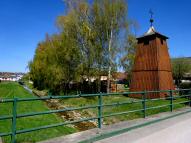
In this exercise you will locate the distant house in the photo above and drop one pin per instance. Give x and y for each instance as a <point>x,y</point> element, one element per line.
<point>118,82</point>
<point>116,76</point>
<point>120,77</point>
<point>186,78</point>
<point>7,76</point>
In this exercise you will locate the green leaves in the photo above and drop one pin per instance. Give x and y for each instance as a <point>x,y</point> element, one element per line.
<point>87,45</point>
<point>180,67</point>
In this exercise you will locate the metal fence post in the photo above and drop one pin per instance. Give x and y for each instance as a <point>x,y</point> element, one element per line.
<point>171,100</point>
<point>49,93</point>
<point>99,110</point>
<point>144,103</point>
<point>14,112</point>
<point>189,97</point>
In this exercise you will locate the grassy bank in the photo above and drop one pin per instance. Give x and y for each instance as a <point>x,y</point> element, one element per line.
<point>79,102</point>
<point>10,90</point>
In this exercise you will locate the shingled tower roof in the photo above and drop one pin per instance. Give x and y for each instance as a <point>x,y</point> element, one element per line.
<point>152,32</point>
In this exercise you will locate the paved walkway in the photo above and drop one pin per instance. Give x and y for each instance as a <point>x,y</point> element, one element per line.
<point>174,130</point>
<point>170,130</point>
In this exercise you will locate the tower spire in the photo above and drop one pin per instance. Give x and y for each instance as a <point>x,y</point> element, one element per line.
<point>151,19</point>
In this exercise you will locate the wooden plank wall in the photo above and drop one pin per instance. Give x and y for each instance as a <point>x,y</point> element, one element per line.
<point>152,69</point>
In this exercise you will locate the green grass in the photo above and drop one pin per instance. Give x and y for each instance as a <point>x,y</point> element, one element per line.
<point>79,102</point>
<point>121,108</point>
<point>11,90</point>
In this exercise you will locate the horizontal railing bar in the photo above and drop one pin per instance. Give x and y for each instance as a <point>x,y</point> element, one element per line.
<point>54,125</point>
<point>132,92</point>
<point>34,99</point>
<point>5,134</point>
<point>135,92</point>
<point>156,99</point>
<point>167,98</point>
<point>152,91</point>
<point>87,95</point>
<point>6,117</point>
<point>40,98</point>
<point>182,90</point>
<point>120,113</point>
<point>180,96</point>
<point>121,103</point>
<point>56,111</point>
<point>48,98</point>
<point>6,100</point>
<point>158,106</point>
<point>181,102</point>
<point>69,109</point>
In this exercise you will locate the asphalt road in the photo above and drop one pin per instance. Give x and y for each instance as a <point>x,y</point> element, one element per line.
<point>174,130</point>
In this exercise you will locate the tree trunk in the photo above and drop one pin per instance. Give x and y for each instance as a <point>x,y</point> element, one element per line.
<point>109,69</point>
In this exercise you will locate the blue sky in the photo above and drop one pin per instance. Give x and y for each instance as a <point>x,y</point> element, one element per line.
<point>23,23</point>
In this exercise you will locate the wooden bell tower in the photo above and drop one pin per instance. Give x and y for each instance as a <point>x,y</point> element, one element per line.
<point>152,68</point>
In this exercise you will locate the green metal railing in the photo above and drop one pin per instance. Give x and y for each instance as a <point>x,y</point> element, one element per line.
<point>99,107</point>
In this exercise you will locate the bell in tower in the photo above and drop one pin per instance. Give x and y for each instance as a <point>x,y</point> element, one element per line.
<point>152,68</point>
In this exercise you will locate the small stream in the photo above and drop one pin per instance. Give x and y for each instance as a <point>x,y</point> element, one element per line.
<point>68,115</point>
<point>28,89</point>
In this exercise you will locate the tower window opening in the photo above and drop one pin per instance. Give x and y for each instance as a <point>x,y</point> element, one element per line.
<point>146,42</point>
<point>161,41</point>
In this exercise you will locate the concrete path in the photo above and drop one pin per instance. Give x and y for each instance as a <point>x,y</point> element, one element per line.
<point>174,130</point>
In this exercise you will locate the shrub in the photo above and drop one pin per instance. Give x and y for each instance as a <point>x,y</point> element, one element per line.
<point>185,86</point>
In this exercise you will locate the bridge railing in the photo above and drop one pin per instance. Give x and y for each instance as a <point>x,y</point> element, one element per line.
<point>99,107</point>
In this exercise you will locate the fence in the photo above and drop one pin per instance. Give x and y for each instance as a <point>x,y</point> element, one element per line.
<point>99,107</point>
